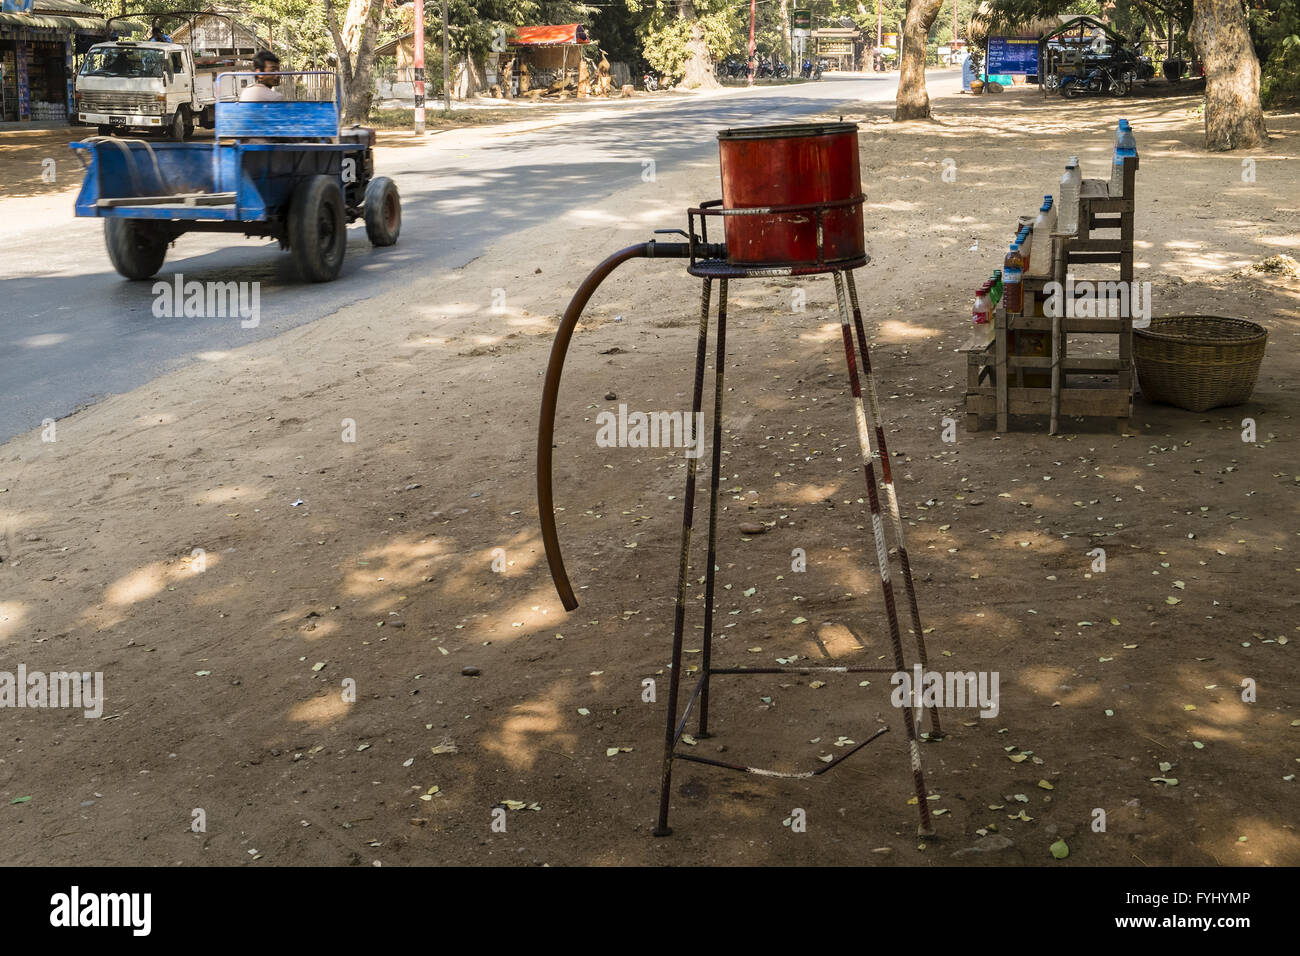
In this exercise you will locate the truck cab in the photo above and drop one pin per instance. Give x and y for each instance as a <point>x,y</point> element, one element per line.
<point>127,85</point>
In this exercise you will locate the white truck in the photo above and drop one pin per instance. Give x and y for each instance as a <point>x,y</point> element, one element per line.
<point>164,87</point>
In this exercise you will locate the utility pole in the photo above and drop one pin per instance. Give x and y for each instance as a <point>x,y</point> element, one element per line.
<point>419,67</point>
<point>446,64</point>
<point>952,47</point>
<point>752,64</point>
<point>879,36</point>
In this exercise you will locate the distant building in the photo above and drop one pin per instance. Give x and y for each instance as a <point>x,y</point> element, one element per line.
<point>40,41</point>
<point>218,36</point>
<point>838,46</point>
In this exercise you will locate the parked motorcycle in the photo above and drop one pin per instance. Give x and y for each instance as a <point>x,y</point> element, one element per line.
<point>812,70</point>
<point>769,70</point>
<point>650,82</point>
<point>734,67</point>
<point>1113,75</point>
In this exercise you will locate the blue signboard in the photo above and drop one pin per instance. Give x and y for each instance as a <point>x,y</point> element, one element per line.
<point>1013,55</point>
<point>17,6</point>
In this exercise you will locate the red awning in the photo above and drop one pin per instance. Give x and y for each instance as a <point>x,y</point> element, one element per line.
<point>549,36</point>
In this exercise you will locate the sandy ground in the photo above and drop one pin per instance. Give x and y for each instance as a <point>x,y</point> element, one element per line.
<point>325,561</point>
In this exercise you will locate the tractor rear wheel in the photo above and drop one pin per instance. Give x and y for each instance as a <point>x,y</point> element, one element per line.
<point>318,234</point>
<point>136,249</point>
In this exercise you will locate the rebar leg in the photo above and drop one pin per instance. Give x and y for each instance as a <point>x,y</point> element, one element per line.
<point>882,549</point>
<point>881,454</point>
<point>679,617</point>
<point>719,364</point>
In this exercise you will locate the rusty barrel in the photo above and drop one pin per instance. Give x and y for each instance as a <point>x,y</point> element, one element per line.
<point>793,165</point>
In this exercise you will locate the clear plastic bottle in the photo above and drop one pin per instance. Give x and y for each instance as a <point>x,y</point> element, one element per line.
<point>1125,146</point>
<point>1013,267</point>
<point>1040,221</point>
<point>1026,240</point>
<point>1068,215</point>
<point>1049,208</point>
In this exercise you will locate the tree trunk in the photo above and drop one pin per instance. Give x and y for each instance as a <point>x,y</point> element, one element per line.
<point>913,101</point>
<point>1233,116</point>
<point>356,59</point>
<point>698,70</point>
<point>786,42</point>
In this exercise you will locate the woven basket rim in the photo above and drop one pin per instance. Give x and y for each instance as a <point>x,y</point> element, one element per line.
<point>1207,336</point>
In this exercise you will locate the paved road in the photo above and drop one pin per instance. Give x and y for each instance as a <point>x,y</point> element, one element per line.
<point>73,331</point>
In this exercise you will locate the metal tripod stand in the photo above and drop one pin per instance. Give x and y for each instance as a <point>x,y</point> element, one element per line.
<point>875,457</point>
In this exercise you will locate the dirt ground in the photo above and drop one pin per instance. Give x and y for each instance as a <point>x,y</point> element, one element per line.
<point>325,561</point>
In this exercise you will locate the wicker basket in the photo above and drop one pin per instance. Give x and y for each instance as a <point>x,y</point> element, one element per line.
<point>1198,362</point>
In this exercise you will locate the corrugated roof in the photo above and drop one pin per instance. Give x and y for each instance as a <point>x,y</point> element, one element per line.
<point>59,15</point>
<point>550,35</point>
<point>65,7</point>
<point>36,21</point>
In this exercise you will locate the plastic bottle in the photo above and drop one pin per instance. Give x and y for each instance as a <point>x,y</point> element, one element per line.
<point>1050,207</point>
<point>1012,270</point>
<point>1068,215</point>
<point>1040,221</point>
<point>995,287</point>
<point>1125,145</point>
<point>1120,128</point>
<point>1024,239</point>
<point>983,307</point>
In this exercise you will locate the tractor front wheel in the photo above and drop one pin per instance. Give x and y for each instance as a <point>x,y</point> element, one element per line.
<point>383,212</point>
<point>318,233</point>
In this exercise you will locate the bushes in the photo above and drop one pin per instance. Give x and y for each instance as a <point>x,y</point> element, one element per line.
<point>1280,84</point>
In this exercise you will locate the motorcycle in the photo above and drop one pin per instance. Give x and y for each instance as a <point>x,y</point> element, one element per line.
<point>650,82</point>
<point>766,69</point>
<point>811,70</point>
<point>1113,75</point>
<point>735,67</point>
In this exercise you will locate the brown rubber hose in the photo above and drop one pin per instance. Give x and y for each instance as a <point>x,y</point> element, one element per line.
<point>551,391</point>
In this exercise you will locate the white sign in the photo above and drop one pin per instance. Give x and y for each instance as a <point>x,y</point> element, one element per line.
<point>796,32</point>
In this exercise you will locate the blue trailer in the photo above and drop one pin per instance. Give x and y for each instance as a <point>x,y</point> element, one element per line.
<point>276,168</point>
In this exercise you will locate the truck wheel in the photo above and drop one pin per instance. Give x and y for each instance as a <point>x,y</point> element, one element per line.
<point>383,212</point>
<point>136,249</point>
<point>318,234</point>
<point>181,125</point>
<point>102,130</point>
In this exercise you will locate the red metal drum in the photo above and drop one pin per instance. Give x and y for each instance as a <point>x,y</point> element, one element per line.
<point>793,165</point>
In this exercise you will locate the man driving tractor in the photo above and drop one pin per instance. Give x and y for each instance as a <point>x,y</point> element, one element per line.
<point>267,65</point>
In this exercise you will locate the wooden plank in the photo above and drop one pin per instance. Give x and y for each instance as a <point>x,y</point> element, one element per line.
<point>1078,363</point>
<point>1094,189</point>
<point>185,199</point>
<point>1100,402</point>
<point>1000,368</point>
<point>1098,245</point>
<point>1056,375</point>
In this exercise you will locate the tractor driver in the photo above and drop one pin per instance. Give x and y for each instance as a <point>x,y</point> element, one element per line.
<point>267,65</point>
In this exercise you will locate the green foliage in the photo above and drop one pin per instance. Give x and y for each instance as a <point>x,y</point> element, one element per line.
<point>665,35</point>
<point>1280,85</point>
